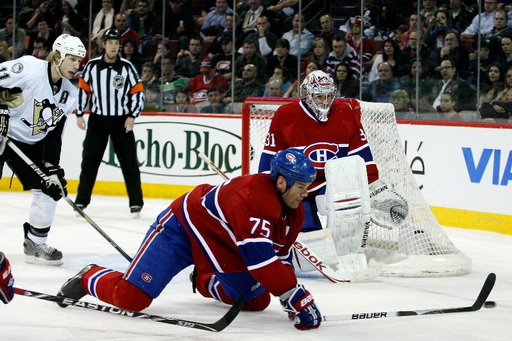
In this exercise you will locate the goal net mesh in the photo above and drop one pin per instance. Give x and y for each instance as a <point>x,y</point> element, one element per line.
<point>418,247</point>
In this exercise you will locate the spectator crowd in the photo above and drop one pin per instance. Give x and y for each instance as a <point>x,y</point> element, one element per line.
<point>446,60</point>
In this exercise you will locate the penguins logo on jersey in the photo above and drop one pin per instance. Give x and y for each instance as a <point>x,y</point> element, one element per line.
<point>319,153</point>
<point>118,82</point>
<point>45,116</point>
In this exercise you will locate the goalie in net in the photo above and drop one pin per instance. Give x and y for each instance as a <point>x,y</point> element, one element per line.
<point>372,214</point>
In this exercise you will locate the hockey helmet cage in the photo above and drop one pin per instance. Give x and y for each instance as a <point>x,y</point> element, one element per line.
<point>293,165</point>
<point>318,92</point>
<point>67,44</point>
<point>111,34</point>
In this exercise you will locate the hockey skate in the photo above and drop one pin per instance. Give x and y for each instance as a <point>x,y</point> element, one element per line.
<point>41,253</point>
<point>73,287</point>
<point>135,211</point>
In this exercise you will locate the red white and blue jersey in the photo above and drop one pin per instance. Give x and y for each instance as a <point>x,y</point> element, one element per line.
<point>295,125</point>
<point>242,225</point>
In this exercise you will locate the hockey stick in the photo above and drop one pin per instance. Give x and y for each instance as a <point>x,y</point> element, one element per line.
<point>480,301</point>
<point>301,248</point>
<point>217,326</point>
<point>47,180</point>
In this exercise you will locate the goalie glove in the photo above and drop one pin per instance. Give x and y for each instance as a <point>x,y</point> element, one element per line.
<point>6,280</point>
<point>55,187</point>
<point>388,207</point>
<point>4,128</point>
<point>300,304</point>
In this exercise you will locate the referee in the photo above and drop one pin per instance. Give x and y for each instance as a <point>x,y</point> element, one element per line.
<point>111,88</point>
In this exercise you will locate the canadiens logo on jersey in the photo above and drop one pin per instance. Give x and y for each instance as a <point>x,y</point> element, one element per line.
<point>45,115</point>
<point>319,153</point>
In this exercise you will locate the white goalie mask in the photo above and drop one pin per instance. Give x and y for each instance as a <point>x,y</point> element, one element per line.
<point>318,92</point>
<point>67,44</point>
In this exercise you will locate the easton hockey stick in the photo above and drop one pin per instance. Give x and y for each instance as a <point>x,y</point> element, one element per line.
<point>217,326</point>
<point>301,248</point>
<point>480,301</point>
<point>47,180</point>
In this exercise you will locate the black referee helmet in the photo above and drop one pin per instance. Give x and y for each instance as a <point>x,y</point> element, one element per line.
<point>110,34</point>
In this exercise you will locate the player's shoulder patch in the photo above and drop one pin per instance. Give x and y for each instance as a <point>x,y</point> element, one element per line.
<point>17,67</point>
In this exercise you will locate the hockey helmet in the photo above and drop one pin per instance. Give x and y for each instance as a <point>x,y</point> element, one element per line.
<point>318,92</point>
<point>111,34</point>
<point>67,44</point>
<point>293,165</point>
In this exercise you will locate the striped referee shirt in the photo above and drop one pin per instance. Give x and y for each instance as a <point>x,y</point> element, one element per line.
<point>110,89</point>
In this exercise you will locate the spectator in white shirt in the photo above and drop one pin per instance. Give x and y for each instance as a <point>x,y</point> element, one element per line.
<point>306,37</point>
<point>482,23</point>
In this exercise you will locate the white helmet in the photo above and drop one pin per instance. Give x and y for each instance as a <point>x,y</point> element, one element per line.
<point>318,83</point>
<point>67,44</point>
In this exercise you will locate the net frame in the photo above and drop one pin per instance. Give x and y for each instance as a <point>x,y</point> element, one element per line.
<point>418,247</point>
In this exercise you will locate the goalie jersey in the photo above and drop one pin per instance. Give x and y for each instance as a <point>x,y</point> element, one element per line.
<point>294,125</point>
<point>242,225</point>
<point>35,108</point>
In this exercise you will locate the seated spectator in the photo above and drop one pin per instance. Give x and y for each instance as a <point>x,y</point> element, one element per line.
<point>189,61</point>
<point>282,57</point>
<point>283,74</point>
<point>297,34</point>
<point>29,18</point>
<point>222,62</point>
<point>459,15</point>
<point>215,20</point>
<point>428,9</point>
<point>499,30</point>
<point>266,39</point>
<point>199,85</point>
<point>179,23</point>
<point>248,17</point>
<point>492,83</point>
<point>152,99</point>
<point>143,20</point>
<point>293,91</point>
<point>162,49</point>
<point>40,50</point>
<point>342,52</point>
<point>10,32</point>
<point>170,80</point>
<point>483,22</point>
<point>501,106</point>
<point>148,76</point>
<point>251,56</point>
<point>126,33</point>
<point>439,25</point>
<point>415,22</point>
<point>104,19</point>
<point>5,55</point>
<point>274,88</point>
<point>410,53</point>
<point>506,45</point>
<point>408,82</point>
<point>130,52</point>
<point>453,50</point>
<point>248,86</point>
<point>68,21</point>
<point>215,103</point>
<point>380,90</point>
<point>215,47</point>
<point>283,11</point>
<point>391,54</point>
<point>328,31</point>
<point>479,65</point>
<point>346,84</point>
<point>388,20</point>
<point>450,82</point>
<point>319,53</point>
<point>403,105</point>
<point>446,109</point>
<point>181,102</point>
<point>357,41</point>
<point>43,31</point>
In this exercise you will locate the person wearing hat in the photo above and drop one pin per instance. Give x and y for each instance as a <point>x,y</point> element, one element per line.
<point>199,85</point>
<point>222,62</point>
<point>111,89</point>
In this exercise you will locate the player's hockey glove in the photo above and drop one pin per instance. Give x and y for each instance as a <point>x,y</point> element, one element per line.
<point>6,280</point>
<point>299,303</point>
<point>56,186</point>
<point>388,207</point>
<point>4,128</point>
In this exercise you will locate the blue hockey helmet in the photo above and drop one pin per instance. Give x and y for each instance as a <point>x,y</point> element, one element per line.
<point>293,165</point>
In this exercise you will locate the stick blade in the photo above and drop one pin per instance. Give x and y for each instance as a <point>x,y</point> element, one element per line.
<point>232,313</point>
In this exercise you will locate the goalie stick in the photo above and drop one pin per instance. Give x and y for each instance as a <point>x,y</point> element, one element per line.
<point>480,301</point>
<point>46,179</point>
<point>301,248</point>
<point>217,326</point>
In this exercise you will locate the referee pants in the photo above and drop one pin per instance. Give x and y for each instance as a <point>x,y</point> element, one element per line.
<point>99,129</point>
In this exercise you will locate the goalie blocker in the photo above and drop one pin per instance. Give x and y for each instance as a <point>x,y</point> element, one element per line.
<point>350,205</point>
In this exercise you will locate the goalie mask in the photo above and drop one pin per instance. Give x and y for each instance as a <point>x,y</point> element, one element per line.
<point>67,44</point>
<point>318,92</point>
<point>293,165</point>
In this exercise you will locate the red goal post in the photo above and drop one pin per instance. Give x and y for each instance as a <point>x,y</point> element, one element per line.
<point>418,247</point>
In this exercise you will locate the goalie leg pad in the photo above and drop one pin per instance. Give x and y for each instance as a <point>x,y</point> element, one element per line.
<point>347,201</point>
<point>322,245</point>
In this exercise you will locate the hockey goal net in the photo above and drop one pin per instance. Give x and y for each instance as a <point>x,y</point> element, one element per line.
<point>418,247</point>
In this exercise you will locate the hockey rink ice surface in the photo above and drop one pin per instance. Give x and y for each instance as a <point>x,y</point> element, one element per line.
<point>31,319</point>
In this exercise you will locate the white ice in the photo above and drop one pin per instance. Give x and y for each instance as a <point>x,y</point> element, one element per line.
<point>31,319</point>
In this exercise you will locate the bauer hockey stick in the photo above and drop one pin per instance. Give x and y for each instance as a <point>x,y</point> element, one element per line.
<point>480,301</point>
<point>300,247</point>
<point>217,326</point>
<point>47,180</point>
